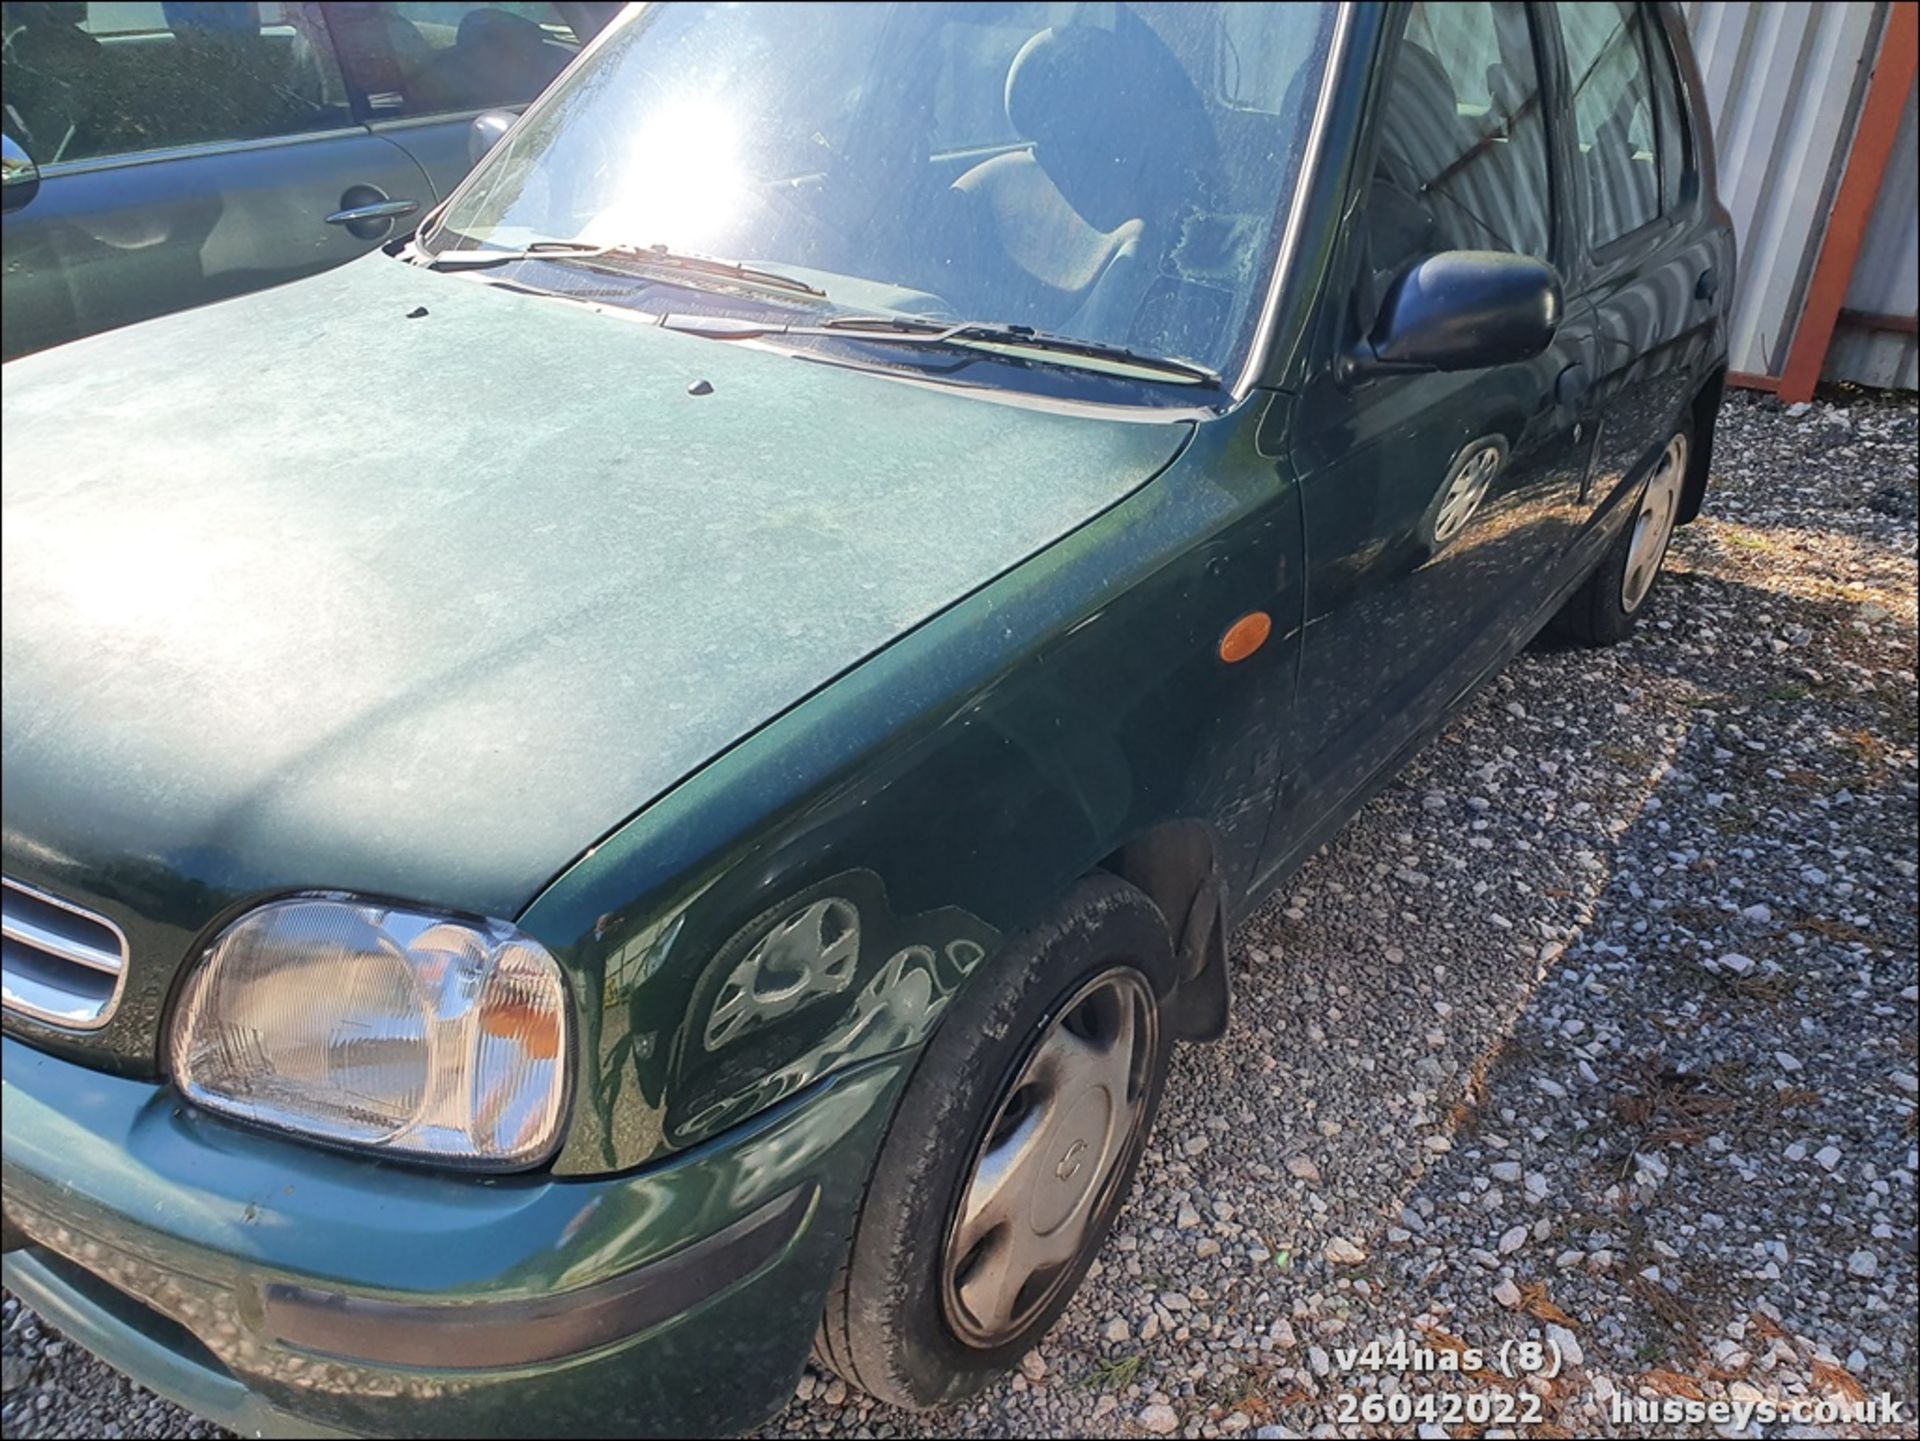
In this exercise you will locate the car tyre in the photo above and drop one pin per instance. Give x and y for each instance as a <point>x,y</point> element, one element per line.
<point>1609,602</point>
<point>1015,1143</point>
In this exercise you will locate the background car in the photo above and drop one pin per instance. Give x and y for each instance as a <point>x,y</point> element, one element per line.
<point>165,154</point>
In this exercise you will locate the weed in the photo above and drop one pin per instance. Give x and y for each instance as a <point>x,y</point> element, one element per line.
<point>1114,1375</point>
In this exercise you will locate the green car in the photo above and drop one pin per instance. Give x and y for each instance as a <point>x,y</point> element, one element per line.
<point>641,783</point>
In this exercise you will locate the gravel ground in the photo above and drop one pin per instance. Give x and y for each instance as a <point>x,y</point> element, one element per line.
<point>1598,1026</point>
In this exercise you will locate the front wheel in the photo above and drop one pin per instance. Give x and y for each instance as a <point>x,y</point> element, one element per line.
<point>1012,1150</point>
<point>1603,610</point>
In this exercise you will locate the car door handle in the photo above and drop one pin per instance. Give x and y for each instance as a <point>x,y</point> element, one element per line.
<point>1706,286</point>
<point>379,210</point>
<point>1570,386</point>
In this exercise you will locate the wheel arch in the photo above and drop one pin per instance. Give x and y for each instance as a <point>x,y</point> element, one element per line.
<point>1176,863</point>
<point>1705,413</point>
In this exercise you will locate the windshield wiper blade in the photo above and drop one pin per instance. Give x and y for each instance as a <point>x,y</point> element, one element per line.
<point>730,269</point>
<point>649,258</point>
<point>1021,342</point>
<point>539,250</point>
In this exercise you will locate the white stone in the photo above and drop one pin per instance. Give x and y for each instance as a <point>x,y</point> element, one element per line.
<point>1158,1419</point>
<point>1569,1344</point>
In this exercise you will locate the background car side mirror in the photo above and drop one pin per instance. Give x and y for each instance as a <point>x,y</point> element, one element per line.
<point>19,176</point>
<point>485,133</point>
<point>1462,310</point>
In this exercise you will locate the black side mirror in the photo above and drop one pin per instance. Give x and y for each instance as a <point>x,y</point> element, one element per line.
<point>485,133</point>
<point>19,176</point>
<point>1462,310</point>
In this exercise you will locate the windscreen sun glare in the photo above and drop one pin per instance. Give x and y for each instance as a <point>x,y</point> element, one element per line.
<point>684,180</point>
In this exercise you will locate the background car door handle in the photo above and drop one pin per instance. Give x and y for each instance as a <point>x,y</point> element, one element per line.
<point>1705,287</point>
<point>379,210</point>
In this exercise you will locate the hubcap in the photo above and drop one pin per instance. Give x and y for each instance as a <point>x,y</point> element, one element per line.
<point>1464,494</point>
<point>1045,1173</point>
<point>1653,527</point>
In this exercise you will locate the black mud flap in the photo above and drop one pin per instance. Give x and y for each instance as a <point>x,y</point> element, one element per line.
<point>1198,1008</point>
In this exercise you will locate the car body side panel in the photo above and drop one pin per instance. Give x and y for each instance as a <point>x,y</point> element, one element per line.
<point>107,243</point>
<point>1402,615</point>
<point>890,831</point>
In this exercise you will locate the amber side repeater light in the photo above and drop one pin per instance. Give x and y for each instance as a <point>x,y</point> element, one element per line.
<point>1245,636</point>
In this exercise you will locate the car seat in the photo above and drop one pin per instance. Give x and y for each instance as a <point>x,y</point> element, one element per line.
<point>1067,230</point>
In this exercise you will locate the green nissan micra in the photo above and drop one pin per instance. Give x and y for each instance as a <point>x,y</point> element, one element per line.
<point>642,782</point>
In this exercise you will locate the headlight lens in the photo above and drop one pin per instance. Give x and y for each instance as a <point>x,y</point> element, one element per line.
<point>365,1025</point>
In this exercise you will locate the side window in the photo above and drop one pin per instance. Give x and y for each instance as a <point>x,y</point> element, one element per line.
<point>85,81</point>
<point>1613,116</point>
<point>1673,141</point>
<point>442,58</point>
<point>1462,159</point>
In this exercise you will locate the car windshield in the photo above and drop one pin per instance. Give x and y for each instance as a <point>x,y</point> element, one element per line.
<point>1113,173</point>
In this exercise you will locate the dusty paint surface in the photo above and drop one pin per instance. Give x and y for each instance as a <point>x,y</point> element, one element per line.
<point>302,591</point>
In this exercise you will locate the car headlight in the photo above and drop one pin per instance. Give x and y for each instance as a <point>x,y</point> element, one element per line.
<point>367,1025</point>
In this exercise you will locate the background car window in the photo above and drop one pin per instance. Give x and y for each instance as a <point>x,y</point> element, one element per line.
<point>1462,162</point>
<point>80,81</point>
<point>440,58</point>
<point>1612,116</point>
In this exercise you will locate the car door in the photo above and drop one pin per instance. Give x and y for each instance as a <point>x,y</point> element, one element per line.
<point>186,152</point>
<point>1437,507</point>
<point>421,70</point>
<point>1650,259</point>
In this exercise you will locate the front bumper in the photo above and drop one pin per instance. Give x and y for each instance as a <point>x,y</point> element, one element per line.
<point>281,1289</point>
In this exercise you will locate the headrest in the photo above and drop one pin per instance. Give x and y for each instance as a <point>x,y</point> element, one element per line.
<point>1112,117</point>
<point>210,17</point>
<point>498,30</point>
<point>50,12</point>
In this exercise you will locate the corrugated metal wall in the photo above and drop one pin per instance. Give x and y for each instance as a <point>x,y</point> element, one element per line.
<point>1887,279</point>
<point>1784,84</point>
<point>1783,88</point>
